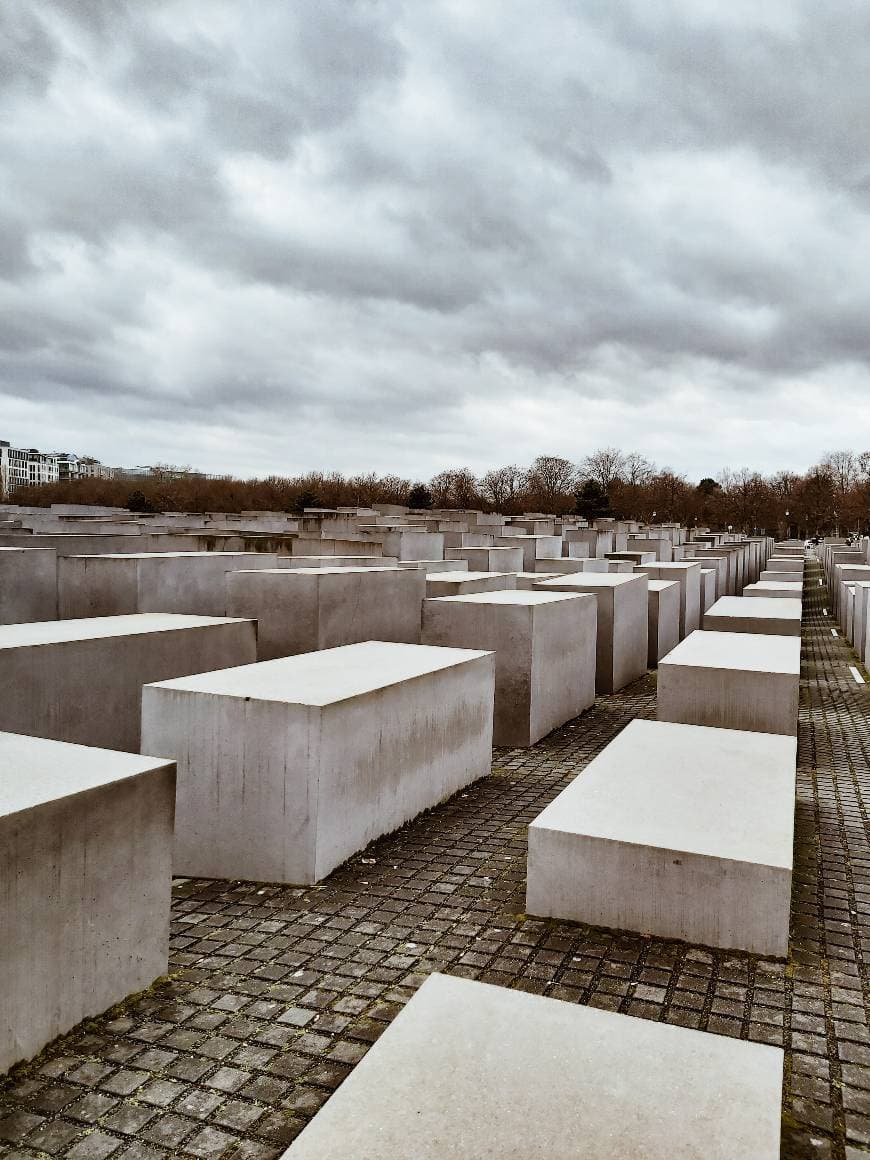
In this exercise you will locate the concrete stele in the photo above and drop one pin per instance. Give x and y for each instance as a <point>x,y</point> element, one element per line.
<point>675,830</point>
<point>302,610</point>
<point>84,909</point>
<point>187,583</point>
<point>544,645</point>
<point>732,680</point>
<point>663,619</point>
<point>468,1070</point>
<point>773,590</point>
<point>28,585</point>
<point>81,680</point>
<point>462,583</point>
<point>288,767</point>
<point>737,614</point>
<point>622,635</point>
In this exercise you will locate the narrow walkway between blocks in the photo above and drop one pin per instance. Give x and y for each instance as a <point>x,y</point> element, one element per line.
<point>278,992</point>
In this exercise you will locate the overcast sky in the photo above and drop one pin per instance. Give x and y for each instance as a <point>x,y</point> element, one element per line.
<point>403,235</point>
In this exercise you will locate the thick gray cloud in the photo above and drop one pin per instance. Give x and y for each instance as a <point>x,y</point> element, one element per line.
<point>373,234</point>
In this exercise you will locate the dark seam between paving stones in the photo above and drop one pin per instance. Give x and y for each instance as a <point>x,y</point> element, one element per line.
<point>277,992</point>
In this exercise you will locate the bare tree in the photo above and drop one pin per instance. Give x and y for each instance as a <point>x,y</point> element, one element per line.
<point>551,483</point>
<point>502,486</point>
<point>636,470</point>
<point>843,467</point>
<point>456,488</point>
<point>605,466</point>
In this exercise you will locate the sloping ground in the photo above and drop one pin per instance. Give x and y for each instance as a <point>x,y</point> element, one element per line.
<point>278,992</point>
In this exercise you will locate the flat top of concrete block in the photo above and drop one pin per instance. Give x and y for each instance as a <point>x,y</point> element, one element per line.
<point>508,596</point>
<point>338,570</point>
<point>669,565</point>
<point>160,555</point>
<point>26,549</point>
<point>536,576</point>
<point>585,580</point>
<point>452,577</point>
<point>661,585</point>
<point>328,676</point>
<point>758,609</point>
<point>97,627</point>
<point>339,556</point>
<point>722,793</point>
<point>42,771</point>
<point>471,1070</point>
<point>776,586</point>
<point>749,651</point>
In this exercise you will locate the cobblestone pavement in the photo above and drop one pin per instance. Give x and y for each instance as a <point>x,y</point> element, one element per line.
<point>278,992</point>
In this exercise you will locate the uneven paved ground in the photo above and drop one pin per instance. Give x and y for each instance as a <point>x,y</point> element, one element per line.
<point>278,992</point>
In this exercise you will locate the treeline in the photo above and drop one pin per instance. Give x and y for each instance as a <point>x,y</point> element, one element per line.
<point>833,496</point>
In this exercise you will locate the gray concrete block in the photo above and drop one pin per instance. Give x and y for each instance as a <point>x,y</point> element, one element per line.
<point>739,614</point>
<point>467,1070</point>
<point>81,680</point>
<point>28,585</point>
<point>675,830</point>
<point>288,767</point>
<point>623,609</point>
<point>732,680</point>
<point>544,645</point>
<point>301,610</point>
<point>86,868</point>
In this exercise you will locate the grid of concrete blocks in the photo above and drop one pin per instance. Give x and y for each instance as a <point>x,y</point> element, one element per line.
<point>257,698</point>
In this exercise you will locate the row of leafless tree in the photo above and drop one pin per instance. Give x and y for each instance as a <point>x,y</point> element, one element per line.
<point>833,495</point>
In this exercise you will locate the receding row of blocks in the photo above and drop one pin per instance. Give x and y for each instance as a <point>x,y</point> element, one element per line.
<point>284,770</point>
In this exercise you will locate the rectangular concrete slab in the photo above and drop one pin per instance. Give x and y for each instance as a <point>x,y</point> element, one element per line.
<point>468,1071</point>
<point>86,868</point>
<point>663,619</point>
<point>732,680</point>
<point>337,561</point>
<point>675,830</point>
<point>189,583</point>
<point>288,767</point>
<point>81,680</point>
<point>622,634</point>
<point>28,585</point>
<point>772,590</point>
<point>487,558</point>
<point>529,581</point>
<point>688,576</point>
<point>302,610</point>
<point>544,645</point>
<point>737,614</point>
<point>460,583</point>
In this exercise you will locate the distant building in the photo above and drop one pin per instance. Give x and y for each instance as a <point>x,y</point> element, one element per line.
<point>20,466</point>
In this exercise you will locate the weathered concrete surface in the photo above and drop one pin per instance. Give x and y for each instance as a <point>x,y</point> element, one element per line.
<point>189,583</point>
<point>461,583</point>
<point>81,680</point>
<point>623,628</point>
<point>86,869</point>
<point>737,614</point>
<point>469,1070</point>
<point>663,619</point>
<point>688,576</point>
<point>675,830</point>
<point>28,585</point>
<point>288,767</point>
<point>301,610</point>
<point>732,680</point>
<point>544,645</point>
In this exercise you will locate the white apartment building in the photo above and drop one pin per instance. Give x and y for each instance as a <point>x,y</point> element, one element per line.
<point>20,466</point>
